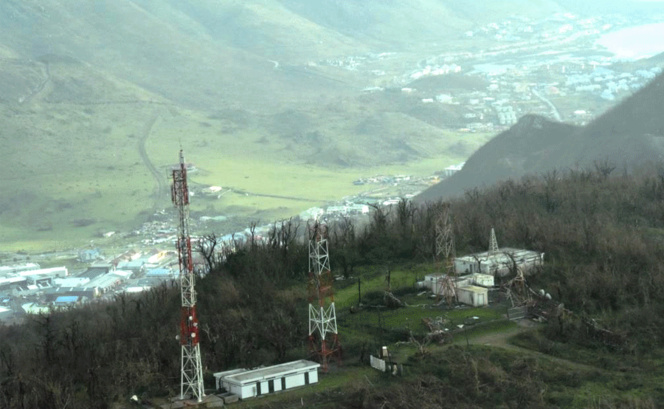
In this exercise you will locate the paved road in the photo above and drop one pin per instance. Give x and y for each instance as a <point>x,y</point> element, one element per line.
<point>554,110</point>
<point>299,199</point>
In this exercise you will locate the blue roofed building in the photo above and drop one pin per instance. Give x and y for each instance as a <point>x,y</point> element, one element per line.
<point>160,273</point>
<point>66,300</point>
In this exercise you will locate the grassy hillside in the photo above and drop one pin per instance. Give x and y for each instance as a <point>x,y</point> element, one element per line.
<point>98,97</point>
<point>96,94</point>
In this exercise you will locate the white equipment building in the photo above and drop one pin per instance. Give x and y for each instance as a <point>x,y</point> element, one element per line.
<point>473,295</point>
<point>499,263</point>
<point>262,381</point>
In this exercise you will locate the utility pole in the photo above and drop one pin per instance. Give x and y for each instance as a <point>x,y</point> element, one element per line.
<point>191,374</point>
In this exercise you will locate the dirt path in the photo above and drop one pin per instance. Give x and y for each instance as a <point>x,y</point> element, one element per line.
<point>39,88</point>
<point>500,340</point>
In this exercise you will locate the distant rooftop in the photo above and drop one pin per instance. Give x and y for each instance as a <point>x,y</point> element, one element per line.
<point>66,299</point>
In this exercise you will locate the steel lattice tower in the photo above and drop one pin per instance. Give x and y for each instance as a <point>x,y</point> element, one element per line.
<point>323,333</point>
<point>493,243</point>
<point>191,374</point>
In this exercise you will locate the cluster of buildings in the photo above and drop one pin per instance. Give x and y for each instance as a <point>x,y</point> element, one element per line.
<point>530,67</point>
<point>382,180</point>
<point>29,278</point>
<point>475,273</point>
<point>28,289</point>
<point>535,85</point>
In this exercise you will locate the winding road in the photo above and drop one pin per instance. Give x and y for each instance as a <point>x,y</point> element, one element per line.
<point>554,110</point>
<point>160,187</point>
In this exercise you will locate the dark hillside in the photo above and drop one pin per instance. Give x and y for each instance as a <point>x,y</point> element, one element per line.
<point>628,135</point>
<point>603,238</point>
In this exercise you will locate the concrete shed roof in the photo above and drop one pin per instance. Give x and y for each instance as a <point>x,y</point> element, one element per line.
<point>473,289</point>
<point>270,372</point>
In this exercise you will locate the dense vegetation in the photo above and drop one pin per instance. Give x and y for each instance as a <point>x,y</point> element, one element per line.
<point>602,233</point>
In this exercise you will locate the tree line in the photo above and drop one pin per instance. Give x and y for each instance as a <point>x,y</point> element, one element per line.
<point>601,231</point>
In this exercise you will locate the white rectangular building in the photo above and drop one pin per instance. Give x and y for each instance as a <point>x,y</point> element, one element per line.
<point>472,295</point>
<point>500,262</point>
<point>430,280</point>
<point>55,272</point>
<point>483,280</point>
<point>262,381</point>
<point>13,270</point>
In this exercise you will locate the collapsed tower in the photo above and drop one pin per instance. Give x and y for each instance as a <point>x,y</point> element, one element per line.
<point>323,333</point>
<point>191,373</point>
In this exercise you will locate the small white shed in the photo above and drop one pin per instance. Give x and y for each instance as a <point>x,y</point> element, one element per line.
<point>484,280</point>
<point>431,280</point>
<point>261,381</point>
<point>472,295</point>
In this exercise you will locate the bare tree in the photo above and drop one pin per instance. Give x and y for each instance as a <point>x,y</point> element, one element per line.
<point>206,246</point>
<point>252,235</point>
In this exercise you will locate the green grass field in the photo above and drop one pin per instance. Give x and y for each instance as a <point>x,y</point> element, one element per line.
<point>375,325</point>
<point>65,195</point>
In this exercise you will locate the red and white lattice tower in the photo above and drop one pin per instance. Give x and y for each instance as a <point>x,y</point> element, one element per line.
<point>191,374</point>
<point>323,333</point>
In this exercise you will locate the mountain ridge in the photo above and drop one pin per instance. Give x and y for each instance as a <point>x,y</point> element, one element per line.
<point>627,135</point>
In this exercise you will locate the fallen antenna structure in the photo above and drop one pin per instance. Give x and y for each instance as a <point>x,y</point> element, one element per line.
<point>517,289</point>
<point>191,373</point>
<point>323,332</point>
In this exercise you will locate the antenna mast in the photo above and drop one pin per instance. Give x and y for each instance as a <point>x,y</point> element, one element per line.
<point>191,374</point>
<point>493,243</point>
<point>322,317</point>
